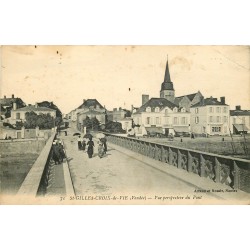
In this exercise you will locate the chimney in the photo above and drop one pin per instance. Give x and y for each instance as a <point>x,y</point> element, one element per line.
<point>238,107</point>
<point>14,106</point>
<point>114,109</point>
<point>12,96</point>
<point>83,101</point>
<point>120,108</point>
<point>36,105</point>
<point>222,100</point>
<point>145,98</point>
<point>5,97</point>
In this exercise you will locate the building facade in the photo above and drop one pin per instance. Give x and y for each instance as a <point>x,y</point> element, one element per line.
<point>239,120</point>
<point>91,108</point>
<point>210,117</point>
<point>19,114</point>
<point>161,116</point>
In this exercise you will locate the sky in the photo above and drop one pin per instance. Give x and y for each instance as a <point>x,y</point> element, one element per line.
<point>117,76</point>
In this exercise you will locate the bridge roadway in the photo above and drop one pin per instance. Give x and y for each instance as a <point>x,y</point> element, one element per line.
<point>125,173</point>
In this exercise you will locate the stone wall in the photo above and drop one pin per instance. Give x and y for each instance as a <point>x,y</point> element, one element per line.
<point>22,146</point>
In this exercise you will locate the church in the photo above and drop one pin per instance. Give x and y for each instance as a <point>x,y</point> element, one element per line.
<point>167,114</point>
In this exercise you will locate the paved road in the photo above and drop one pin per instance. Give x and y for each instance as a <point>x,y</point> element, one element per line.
<point>122,172</point>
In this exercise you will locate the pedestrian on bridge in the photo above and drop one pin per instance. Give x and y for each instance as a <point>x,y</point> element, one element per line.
<point>104,142</point>
<point>61,151</point>
<point>55,153</point>
<point>90,150</point>
<point>83,145</point>
<point>79,141</point>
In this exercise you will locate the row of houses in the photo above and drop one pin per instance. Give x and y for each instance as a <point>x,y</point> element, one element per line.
<point>192,113</point>
<point>168,114</point>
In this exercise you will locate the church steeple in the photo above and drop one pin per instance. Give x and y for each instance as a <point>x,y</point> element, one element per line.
<point>167,87</point>
<point>167,74</point>
<point>167,84</point>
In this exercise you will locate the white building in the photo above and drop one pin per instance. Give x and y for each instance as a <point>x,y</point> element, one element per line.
<point>210,116</point>
<point>19,114</point>
<point>239,120</point>
<point>159,115</point>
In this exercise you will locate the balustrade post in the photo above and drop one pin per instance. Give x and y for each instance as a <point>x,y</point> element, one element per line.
<point>162,153</point>
<point>178,159</point>
<point>170,156</point>
<point>217,170</point>
<point>189,163</point>
<point>202,165</point>
<point>236,176</point>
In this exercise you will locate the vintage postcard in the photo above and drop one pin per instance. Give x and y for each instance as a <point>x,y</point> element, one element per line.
<point>124,125</point>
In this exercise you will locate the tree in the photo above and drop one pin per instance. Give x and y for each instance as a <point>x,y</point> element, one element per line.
<point>91,123</point>
<point>19,104</point>
<point>115,127</point>
<point>43,121</point>
<point>51,105</point>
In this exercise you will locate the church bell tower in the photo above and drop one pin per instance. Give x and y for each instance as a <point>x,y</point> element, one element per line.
<point>167,88</point>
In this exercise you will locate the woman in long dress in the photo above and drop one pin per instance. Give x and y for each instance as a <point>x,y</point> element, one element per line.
<point>79,140</point>
<point>90,148</point>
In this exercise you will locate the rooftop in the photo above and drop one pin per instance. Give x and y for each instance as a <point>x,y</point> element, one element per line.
<point>34,108</point>
<point>90,103</point>
<point>156,102</point>
<point>209,102</point>
<point>239,112</point>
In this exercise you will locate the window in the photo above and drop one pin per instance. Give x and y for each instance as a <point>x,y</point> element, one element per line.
<point>196,110</point>
<point>184,120</point>
<point>211,110</point>
<point>183,110</point>
<point>218,109</point>
<point>175,110</point>
<point>216,129</point>
<point>157,120</point>
<point>17,115</point>
<point>148,109</point>
<point>225,119</point>
<point>243,120</point>
<point>157,109</point>
<point>166,111</point>
<point>196,119</point>
<point>225,110</point>
<point>210,119</point>
<point>218,119</point>
<point>175,120</point>
<point>147,120</point>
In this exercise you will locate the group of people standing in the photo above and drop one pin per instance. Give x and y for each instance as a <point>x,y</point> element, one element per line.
<point>102,147</point>
<point>58,152</point>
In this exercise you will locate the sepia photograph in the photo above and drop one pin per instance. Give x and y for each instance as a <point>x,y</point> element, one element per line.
<point>124,125</point>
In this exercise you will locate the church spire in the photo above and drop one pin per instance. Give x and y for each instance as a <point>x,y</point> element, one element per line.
<point>167,74</point>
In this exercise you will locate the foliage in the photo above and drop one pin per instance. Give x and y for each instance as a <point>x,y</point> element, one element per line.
<point>19,104</point>
<point>114,127</point>
<point>91,123</point>
<point>51,105</point>
<point>43,121</point>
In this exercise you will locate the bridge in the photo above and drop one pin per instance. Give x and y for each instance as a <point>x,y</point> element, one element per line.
<point>135,172</point>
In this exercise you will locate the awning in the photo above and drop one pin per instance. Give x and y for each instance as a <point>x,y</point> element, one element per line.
<point>182,129</point>
<point>241,127</point>
<point>154,130</point>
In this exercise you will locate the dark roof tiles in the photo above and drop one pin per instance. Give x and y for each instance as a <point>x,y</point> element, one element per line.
<point>156,102</point>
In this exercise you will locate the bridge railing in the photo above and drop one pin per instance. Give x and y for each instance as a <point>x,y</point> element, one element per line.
<point>37,180</point>
<point>233,172</point>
